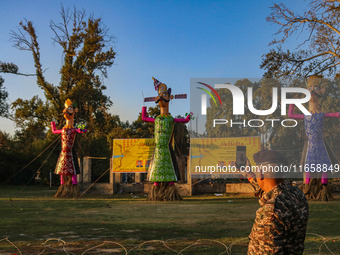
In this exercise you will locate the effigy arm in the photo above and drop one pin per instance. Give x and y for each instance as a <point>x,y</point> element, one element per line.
<point>292,115</point>
<point>186,120</point>
<point>332,115</point>
<point>54,128</point>
<point>145,116</point>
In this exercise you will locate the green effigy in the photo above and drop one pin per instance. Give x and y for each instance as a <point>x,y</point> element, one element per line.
<point>161,167</point>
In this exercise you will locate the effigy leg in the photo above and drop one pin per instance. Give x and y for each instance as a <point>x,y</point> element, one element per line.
<point>325,193</point>
<point>65,189</point>
<point>317,189</point>
<point>164,191</point>
<point>153,192</point>
<point>61,187</point>
<point>171,193</point>
<point>312,188</point>
<point>307,185</point>
<point>75,187</point>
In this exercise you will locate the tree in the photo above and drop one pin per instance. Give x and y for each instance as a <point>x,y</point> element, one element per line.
<point>6,68</point>
<point>11,68</point>
<point>87,56</point>
<point>317,31</point>
<point>3,97</point>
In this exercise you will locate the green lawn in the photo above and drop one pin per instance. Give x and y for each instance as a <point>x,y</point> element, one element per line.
<point>32,216</point>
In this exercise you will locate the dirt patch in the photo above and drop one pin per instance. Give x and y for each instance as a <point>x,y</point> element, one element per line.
<point>130,230</point>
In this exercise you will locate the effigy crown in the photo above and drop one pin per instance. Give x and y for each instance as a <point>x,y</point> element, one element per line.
<point>68,103</point>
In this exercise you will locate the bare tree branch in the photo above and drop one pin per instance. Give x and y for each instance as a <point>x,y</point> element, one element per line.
<point>319,50</point>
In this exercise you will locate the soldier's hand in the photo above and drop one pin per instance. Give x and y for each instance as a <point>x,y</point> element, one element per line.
<point>246,171</point>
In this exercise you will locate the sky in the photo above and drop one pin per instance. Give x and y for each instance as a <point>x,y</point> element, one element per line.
<point>170,40</point>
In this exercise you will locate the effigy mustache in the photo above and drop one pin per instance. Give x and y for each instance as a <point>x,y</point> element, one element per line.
<point>317,94</point>
<point>68,113</point>
<point>162,99</point>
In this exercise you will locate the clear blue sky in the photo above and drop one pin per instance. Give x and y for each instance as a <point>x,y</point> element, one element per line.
<point>170,40</point>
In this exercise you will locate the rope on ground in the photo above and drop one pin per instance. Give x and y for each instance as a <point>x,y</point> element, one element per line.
<point>106,242</point>
<point>153,241</point>
<point>229,247</point>
<point>7,240</point>
<point>323,243</point>
<point>59,240</point>
<point>165,244</point>
<point>199,242</point>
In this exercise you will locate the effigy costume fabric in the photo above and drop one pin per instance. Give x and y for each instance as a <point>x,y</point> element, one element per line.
<point>65,164</point>
<point>162,166</point>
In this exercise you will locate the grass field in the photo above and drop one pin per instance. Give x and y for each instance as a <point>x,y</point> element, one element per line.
<point>37,223</point>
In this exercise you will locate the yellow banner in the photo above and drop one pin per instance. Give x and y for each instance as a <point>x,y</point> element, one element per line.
<point>219,152</point>
<point>132,155</point>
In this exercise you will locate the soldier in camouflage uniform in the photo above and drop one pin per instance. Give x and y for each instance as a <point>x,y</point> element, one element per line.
<point>281,221</point>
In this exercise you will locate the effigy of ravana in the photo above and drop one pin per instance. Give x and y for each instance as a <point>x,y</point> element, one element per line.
<point>163,166</point>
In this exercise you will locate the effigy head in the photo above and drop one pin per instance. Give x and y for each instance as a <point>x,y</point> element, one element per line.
<point>314,87</point>
<point>164,94</point>
<point>69,110</point>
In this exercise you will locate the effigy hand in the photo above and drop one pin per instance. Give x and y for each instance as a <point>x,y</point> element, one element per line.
<point>189,116</point>
<point>81,129</point>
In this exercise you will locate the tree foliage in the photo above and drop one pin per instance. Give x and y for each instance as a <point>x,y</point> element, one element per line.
<point>3,97</point>
<point>87,55</point>
<point>10,68</point>
<point>317,33</point>
<point>6,67</point>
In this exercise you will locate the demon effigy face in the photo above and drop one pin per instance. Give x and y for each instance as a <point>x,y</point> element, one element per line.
<point>164,95</point>
<point>314,87</point>
<point>69,110</point>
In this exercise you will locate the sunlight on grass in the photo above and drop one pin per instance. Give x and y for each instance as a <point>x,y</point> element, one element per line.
<point>31,217</point>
